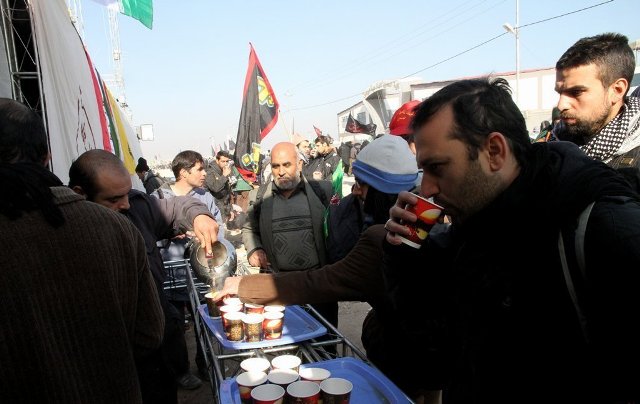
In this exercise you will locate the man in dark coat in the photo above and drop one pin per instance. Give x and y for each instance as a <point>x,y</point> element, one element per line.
<point>219,183</point>
<point>103,179</point>
<point>496,314</point>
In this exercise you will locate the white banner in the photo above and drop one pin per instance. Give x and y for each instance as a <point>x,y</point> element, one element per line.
<point>73,99</point>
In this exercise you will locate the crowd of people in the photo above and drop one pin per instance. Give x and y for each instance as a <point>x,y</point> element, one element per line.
<point>525,292</point>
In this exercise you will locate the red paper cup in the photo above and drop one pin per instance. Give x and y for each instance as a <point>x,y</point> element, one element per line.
<point>274,307</point>
<point>255,365</point>
<point>336,390</point>
<point>253,327</point>
<point>228,309</point>
<point>268,394</point>
<point>213,306</point>
<point>253,308</point>
<point>247,381</point>
<point>234,327</point>
<point>428,214</point>
<point>303,393</point>
<point>286,362</point>
<point>272,324</point>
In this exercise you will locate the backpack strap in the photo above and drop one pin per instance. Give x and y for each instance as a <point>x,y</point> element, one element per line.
<point>580,232</point>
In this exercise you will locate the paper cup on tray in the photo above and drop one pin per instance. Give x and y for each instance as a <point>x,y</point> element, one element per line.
<point>268,394</point>
<point>286,362</point>
<point>247,381</point>
<point>336,390</point>
<point>272,324</point>
<point>303,392</point>
<point>255,365</point>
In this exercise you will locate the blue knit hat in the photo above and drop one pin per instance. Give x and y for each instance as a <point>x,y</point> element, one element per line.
<point>387,164</point>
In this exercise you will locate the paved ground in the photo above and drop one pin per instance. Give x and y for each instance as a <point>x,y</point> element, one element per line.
<point>350,325</point>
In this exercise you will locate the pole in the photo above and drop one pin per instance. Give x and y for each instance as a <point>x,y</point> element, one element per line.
<point>517,53</point>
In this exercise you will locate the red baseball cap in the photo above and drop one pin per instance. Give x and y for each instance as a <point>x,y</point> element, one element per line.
<point>401,120</point>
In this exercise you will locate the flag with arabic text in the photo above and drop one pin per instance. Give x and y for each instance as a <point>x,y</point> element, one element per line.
<point>258,116</point>
<point>354,126</point>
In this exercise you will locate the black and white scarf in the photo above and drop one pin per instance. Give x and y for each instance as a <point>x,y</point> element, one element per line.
<point>605,144</point>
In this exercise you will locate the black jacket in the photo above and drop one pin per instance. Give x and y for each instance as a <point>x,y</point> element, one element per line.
<point>324,164</point>
<point>220,188</point>
<point>488,303</point>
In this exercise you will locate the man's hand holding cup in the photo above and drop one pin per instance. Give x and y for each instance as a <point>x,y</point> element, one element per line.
<point>411,219</point>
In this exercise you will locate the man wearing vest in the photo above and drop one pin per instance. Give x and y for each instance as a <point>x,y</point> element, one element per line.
<point>284,230</point>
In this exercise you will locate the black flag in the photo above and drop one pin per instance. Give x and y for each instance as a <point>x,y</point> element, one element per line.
<point>354,126</point>
<point>258,116</point>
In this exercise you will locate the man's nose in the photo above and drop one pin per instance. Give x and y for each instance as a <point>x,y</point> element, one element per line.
<point>563,103</point>
<point>428,187</point>
<point>124,204</point>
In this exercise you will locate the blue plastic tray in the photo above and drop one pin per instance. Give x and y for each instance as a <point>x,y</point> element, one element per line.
<point>370,386</point>
<point>298,326</point>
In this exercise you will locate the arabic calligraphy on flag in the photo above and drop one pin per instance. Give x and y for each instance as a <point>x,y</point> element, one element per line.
<point>258,116</point>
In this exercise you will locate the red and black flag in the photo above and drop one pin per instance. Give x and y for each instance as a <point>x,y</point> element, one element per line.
<point>354,126</point>
<point>318,131</point>
<point>258,116</point>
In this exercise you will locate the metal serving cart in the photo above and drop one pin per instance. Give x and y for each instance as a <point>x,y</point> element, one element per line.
<point>317,343</point>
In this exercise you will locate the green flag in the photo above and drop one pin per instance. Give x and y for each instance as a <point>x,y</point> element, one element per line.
<point>141,10</point>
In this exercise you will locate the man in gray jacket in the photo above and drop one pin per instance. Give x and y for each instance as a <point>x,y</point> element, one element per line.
<point>284,230</point>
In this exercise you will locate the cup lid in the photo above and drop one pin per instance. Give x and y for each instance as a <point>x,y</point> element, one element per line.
<point>252,364</point>
<point>273,315</point>
<point>253,318</point>
<point>253,378</point>
<point>267,392</point>
<point>285,362</point>
<point>234,315</point>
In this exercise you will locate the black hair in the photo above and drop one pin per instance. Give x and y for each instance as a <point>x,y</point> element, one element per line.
<point>480,106</point>
<point>85,169</point>
<point>223,153</point>
<point>186,159</point>
<point>377,205</point>
<point>23,152</point>
<point>27,188</point>
<point>610,52</point>
<point>324,140</point>
<point>22,134</point>
<point>142,165</point>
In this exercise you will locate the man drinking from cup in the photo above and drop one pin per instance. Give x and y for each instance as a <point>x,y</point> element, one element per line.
<point>489,301</point>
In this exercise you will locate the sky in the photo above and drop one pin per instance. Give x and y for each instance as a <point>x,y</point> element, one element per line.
<point>186,75</point>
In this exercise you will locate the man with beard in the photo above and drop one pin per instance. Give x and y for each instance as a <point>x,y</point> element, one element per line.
<point>495,318</point>
<point>102,178</point>
<point>592,78</point>
<point>284,230</point>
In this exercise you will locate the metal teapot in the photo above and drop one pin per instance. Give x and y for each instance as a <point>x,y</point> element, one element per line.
<point>212,271</point>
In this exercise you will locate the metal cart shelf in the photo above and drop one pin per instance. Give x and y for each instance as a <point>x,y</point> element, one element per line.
<point>223,363</point>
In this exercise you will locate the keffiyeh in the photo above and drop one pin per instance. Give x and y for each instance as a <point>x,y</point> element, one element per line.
<point>605,144</point>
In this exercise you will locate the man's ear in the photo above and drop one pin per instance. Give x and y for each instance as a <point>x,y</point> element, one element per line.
<point>78,190</point>
<point>498,149</point>
<point>618,89</point>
